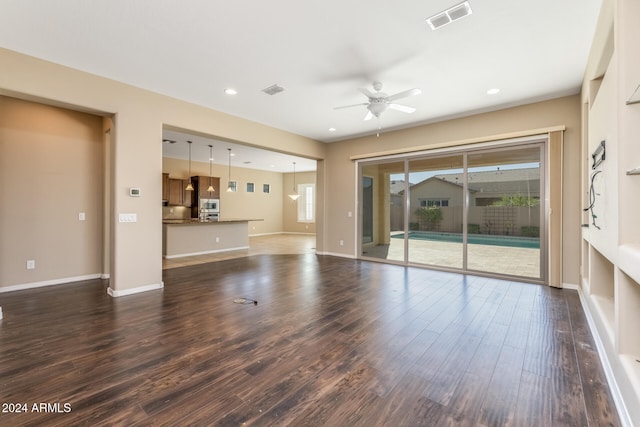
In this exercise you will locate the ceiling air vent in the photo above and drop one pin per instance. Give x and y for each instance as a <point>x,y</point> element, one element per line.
<point>452,14</point>
<point>272,90</point>
<point>438,21</point>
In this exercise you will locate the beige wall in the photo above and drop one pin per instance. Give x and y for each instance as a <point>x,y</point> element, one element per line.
<point>51,169</point>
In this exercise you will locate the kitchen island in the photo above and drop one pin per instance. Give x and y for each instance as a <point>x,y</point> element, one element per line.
<point>181,238</point>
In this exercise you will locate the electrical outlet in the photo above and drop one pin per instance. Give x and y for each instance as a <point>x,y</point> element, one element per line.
<point>81,216</point>
<point>217,240</point>
<point>341,242</point>
<point>31,264</point>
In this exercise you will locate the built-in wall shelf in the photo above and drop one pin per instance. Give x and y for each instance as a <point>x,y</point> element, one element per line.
<point>635,97</point>
<point>629,261</point>
<point>585,260</point>
<point>605,309</point>
<point>634,171</point>
<point>631,367</point>
<point>629,311</point>
<point>602,290</point>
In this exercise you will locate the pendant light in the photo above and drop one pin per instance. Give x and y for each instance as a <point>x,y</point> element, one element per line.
<point>210,189</point>
<point>229,186</point>
<point>189,186</point>
<point>294,195</point>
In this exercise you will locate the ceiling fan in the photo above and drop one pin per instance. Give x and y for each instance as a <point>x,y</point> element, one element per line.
<point>380,101</point>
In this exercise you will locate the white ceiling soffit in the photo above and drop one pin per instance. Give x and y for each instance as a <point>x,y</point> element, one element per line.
<point>321,52</point>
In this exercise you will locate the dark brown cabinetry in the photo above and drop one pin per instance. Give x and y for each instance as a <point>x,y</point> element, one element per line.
<point>178,196</point>
<point>165,187</point>
<point>201,184</point>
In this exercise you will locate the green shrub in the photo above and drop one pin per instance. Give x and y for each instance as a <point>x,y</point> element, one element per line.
<point>430,216</point>
<point>473,228</point>
<point>530,231</point>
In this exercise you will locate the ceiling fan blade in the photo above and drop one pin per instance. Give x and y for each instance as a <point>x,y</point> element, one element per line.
<point>403,108</point>
<point>404,94</point>
<point>366,92</point>
<point>352,105</point>
<point>369,116</point>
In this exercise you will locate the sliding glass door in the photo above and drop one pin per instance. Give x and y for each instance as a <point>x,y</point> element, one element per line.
<point>471,210</point>
<point>504,217</point>
<point>436,203</point>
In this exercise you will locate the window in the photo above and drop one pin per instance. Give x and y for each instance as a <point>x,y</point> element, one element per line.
<point>307,203</point>
<point>250,187</point>
<point>434,202</point>
<point>266,188</point>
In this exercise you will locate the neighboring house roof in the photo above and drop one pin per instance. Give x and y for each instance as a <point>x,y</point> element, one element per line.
<point>485,183</point>
<point>509,181</point>
<point>397,186</point>
<point>415,187</point>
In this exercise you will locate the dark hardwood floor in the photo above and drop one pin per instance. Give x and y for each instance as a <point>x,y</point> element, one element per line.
<point>331,342</point>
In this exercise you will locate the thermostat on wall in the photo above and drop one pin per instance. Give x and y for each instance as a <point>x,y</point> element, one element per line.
<point>134,192</point>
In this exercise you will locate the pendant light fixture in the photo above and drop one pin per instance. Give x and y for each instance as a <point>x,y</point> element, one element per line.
<point>189,185</point>
<point>229,185</point>
<point>294,195</point>
<point>210,189</point>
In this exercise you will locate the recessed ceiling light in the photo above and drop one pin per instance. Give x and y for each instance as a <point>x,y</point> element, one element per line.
<point>230,91</point>
<point>332,129</point>
<point>493,91</point>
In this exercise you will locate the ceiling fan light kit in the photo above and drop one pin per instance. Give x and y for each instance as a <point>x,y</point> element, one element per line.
<point>379,102</point>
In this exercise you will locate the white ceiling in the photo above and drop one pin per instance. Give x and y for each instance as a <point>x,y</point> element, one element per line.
<point>321,52</point>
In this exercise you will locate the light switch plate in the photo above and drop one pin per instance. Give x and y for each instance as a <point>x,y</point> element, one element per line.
<point>81,216</point>
<point>128,217</point>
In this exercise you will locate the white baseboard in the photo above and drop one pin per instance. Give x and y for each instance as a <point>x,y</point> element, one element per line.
<point>117,293</point>
<point>616,394</point>
<point>337,254</point>
<point>239,248</point>
<point>274,233</point>
<point>64,280</point>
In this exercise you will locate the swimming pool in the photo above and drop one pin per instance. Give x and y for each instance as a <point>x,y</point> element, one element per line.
<point>474,239</point>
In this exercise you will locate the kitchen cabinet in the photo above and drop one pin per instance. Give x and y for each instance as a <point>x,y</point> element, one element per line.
<point>178,196</point>
<point>165,187</point>
<point>201,184</point>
